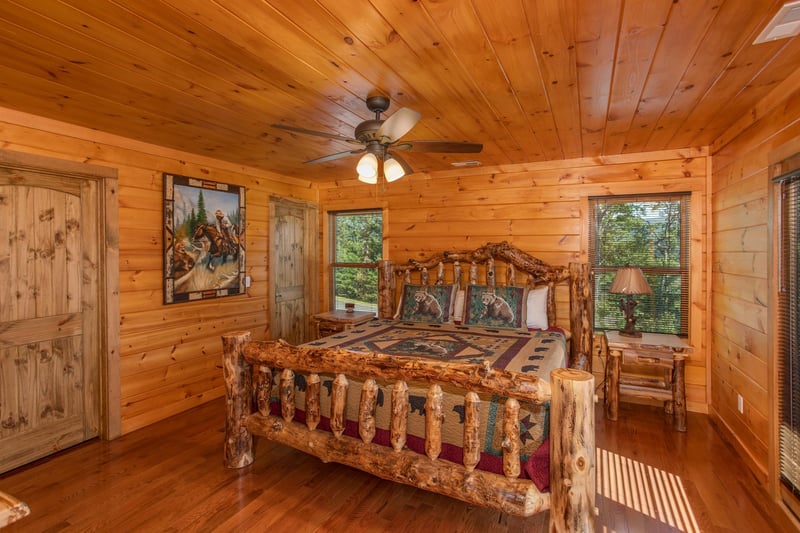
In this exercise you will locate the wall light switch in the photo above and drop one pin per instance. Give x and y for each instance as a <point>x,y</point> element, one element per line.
<point>247,281</point>
<point>740,401</point>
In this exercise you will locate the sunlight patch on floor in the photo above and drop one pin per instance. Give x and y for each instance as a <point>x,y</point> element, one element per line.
<point>651,491</point>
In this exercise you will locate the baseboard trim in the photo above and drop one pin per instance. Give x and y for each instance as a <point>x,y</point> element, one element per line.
<point>759,470</point>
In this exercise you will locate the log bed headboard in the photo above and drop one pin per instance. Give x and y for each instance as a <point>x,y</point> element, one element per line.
<point>513,267</point>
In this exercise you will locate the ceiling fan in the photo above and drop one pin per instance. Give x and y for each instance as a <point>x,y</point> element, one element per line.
<point>381,142</point>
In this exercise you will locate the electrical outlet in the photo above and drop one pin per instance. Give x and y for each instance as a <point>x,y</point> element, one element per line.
<point>740,401</point>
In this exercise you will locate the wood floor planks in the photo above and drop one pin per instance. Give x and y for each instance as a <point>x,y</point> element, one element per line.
<point>169,477</point>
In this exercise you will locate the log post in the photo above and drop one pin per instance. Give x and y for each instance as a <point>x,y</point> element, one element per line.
<point>580,316</point>
<point>440,274</point>
<point>424,276</point>
<point>472,442</point>
<point>263,387</point>
<point>491,279</point>
<point>433,422</point>
<point>287,395</point>
<point>511,440</point>
<point>338,404</point>
<point>473,273</point>
<point>572,451</point>
<point>679,393</point>
<point>386,289</point>
<point>366,410</point>
<point>613,364</point>
<point>399,415</point>
<point>312,401</point>
<point>511,275</point>
<point>457,274</point>
<point>552,317</point>
<point>238,400</point>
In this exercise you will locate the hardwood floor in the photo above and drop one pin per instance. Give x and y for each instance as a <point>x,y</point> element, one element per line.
<point>169,477</point>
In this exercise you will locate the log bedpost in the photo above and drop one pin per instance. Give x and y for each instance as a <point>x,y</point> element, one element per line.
<point>580,316</point>
<point>237,374</point>
<point>386,289</point>
<point>572,451</point>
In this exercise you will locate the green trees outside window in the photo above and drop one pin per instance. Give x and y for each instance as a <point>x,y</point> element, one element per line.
<point>650,232</point>
<point>356,248</point>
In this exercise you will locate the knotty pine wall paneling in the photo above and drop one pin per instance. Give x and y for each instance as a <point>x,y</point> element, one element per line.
<point>170,356</point>
<point>741,334</point>
<point>542,209</point>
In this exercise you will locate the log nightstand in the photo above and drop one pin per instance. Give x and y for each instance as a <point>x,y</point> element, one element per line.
<point>652,350</point>
<point>331,322</point>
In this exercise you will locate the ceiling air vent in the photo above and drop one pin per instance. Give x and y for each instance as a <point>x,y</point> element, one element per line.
<point>470,163</point>
<point>785,24</point>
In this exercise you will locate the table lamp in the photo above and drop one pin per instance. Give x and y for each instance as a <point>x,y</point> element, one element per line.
<point>629,280</point>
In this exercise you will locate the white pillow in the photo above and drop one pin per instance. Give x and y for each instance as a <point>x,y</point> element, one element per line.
<point>537,308</point>
<point>458,306</point>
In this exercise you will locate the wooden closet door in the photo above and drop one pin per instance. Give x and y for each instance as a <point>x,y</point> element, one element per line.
<point>292,269</point>
<point>49,382</point>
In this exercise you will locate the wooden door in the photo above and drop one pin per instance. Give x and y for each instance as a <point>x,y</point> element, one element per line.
<point>51,305</point>
<point>292,269</point>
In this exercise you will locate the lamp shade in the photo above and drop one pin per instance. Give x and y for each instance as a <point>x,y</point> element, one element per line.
<point>392,170</point>
<point>630,280</point>
<point>368,167</point>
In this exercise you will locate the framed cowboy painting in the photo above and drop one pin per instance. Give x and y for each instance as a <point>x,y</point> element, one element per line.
<point>204,253</point>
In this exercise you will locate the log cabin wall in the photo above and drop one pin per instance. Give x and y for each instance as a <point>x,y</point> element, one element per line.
<point>170,356</point>
<point>741,333</point>
<point>540,208</point>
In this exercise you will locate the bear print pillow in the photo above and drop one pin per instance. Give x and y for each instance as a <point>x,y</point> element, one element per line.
<point>495,307</point>
<point>426,303</point>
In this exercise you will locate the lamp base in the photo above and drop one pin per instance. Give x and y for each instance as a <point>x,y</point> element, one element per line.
<point>627,307</point>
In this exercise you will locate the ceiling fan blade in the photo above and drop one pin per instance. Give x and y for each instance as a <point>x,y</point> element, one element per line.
<point>403,163</point>
<point>317,133</point>
<point>337,155</point>
<point>397,125</point>
<point>440,146</point>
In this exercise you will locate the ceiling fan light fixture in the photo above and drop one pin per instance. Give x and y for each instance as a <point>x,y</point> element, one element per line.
<point>368,167</point>
<point>392,170</point>
<point>369,180</point>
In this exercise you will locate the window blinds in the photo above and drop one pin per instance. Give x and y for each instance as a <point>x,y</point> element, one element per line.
<point>788,359</point>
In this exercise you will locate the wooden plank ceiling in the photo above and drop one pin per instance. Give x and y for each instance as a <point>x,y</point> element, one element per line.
<point>531,80</point>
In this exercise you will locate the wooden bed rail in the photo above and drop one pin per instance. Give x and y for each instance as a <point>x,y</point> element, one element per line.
<point>248,368</point>
<point>535,272</point>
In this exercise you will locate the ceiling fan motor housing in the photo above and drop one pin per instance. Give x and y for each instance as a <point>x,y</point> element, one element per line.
<point>365,132</point>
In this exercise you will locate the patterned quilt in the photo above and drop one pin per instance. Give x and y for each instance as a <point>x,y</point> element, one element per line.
<point>537,352</point>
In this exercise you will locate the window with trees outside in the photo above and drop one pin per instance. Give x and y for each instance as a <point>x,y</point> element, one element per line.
<point>356,248</point>
<point>650,232</point>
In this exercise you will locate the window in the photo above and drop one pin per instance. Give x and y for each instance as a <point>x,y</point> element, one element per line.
<point>356,248</point>
<point>788,324</point>
<point>650,232</point>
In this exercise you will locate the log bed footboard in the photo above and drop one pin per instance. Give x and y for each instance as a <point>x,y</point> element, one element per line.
<point>248,367</point>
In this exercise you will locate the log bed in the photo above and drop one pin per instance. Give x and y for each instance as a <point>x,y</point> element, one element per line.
<point>249,366</point>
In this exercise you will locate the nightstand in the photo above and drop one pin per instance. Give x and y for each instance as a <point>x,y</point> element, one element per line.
<point>649,354</point>
<point>331,322</point>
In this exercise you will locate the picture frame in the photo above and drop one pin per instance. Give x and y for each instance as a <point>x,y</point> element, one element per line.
<point>204,236</point>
